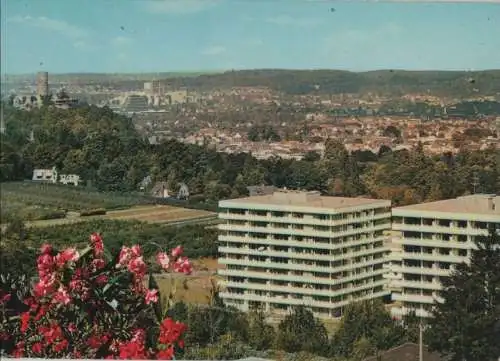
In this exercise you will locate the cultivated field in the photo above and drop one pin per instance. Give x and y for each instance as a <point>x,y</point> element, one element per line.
<point>149,214</point>
<point>19,195</point>
<point>41,205</point>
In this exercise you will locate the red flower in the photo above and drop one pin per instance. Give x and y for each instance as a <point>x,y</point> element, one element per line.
<point>61,346</point>
<point>37,348</point>
<point>167,354</point>
<point>170,331</point>
<point>101,280</point>
<point>25,319</point>
<point>132,350</point>
<point>62,296</point>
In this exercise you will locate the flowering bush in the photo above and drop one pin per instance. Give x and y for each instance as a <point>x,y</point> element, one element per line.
<point>89,304</point>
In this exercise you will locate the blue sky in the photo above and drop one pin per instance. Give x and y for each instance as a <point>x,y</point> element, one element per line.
<point>191,35</point>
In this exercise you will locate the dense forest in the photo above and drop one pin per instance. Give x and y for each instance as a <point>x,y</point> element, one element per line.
<point>105,149</point>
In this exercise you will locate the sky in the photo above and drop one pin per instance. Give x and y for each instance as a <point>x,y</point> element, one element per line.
<point>116,36</point>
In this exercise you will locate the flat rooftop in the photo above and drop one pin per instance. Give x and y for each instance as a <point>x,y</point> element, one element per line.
<point>476,203</point>
<point>307,199</point>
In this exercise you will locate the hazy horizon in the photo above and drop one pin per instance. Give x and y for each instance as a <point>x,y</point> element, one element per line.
<point>174,36</point>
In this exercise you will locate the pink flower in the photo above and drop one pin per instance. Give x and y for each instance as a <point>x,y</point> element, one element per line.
<point>183,265</point>
<point>72,327</point>
<point>136,250</point>
<point>151,296</point>
<point>177,251</point>
<point>62,296</point>
<point>98,264</point>
<point>97,244</point>
<point>137,266</point>
<point>163,260</point>
<point>101,280</point>
<point>124,257</point>
<point>68,255</point>
<point>45,286</point>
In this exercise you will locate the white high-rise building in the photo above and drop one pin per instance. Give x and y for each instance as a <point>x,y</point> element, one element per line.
<point>293,248</point>
<point>430,240</point>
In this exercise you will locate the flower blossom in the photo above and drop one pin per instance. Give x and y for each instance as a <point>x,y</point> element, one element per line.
<point>183,265</point>
<point>68,255</point>
<point>151,296</point>
<point>97,244</point>
<point>62,296</point>
<point>177,251</point>
<point>163,260</point>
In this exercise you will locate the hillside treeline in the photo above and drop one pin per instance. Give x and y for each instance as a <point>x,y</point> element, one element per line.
<point>105,149</point>
<point>383,82</point>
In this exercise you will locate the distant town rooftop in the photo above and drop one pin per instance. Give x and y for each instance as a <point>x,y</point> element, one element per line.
<point>306,199</point>
<point>488,204</point>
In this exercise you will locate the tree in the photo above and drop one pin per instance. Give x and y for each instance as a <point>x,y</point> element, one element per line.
<point>367,325</point>
<point>300,331</point>
<point>466,324</point>
<point>260,333</point>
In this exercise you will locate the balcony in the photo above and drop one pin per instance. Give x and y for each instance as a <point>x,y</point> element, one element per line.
<point>298,267</point>
<point>302,244</point>
<point>304,220</point>
<point>298,302</point>
<point>302,232</point>
<point>297,278</point>
<point>304,290</point>
<point>300,255</point>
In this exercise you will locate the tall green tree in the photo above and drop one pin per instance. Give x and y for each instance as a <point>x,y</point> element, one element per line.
<point>366,323</point>
<point>301,331</point>
<point>466,324</point>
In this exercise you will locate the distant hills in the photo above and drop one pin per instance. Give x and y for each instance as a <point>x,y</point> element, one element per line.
<point>382,82</point>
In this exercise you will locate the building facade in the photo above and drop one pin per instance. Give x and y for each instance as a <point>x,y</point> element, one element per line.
<point>429,240</point>
<point>294,248</point>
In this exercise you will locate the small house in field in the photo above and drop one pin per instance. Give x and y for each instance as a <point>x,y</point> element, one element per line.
<point>160,190</point>
<point>73,179</point>
<point>45,175</point>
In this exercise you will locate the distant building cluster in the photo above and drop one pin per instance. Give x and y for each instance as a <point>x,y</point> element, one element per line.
<point>52,176</point>
<point>281,249</point>
<point>44,97</point>
<point>154,97</point>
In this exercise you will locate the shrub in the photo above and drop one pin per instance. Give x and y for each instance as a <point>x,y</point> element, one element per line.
<point>50,214</point>
<point>93,212</point>
<point>90,304</point>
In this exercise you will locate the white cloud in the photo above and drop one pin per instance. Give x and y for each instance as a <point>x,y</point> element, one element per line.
<point>121,41</point>
<point>255,42</point>
<point>78,35</point>
<point>214,50</point>
<point>58,26</point>
<point>287,20</point>
<point>177,6</point>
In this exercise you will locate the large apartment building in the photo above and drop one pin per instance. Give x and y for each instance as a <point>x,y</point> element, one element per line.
<point>429,240</point>
<point>293,248</point>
